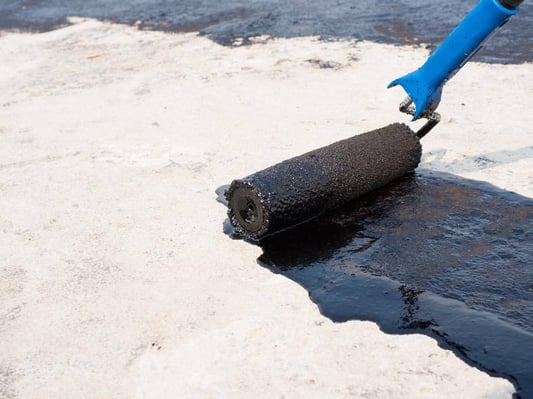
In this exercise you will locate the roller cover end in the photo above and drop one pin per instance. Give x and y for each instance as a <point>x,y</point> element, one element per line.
<point>301,188</point>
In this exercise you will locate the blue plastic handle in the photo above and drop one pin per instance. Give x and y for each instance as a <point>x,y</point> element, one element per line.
<point>424,86</point>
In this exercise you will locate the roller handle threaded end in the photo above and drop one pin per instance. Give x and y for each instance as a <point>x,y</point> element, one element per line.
<point>511,4</point>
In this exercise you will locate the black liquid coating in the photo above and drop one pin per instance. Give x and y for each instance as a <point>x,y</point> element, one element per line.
<point>301,188</point>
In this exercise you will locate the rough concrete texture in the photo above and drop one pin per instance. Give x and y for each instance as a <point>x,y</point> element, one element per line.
<point>116,279</point>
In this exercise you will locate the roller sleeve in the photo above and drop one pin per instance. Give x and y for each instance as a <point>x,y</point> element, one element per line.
<point>301,188</point>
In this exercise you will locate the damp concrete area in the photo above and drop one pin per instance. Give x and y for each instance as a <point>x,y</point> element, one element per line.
<point>430,253</point>
<point>397,22</point>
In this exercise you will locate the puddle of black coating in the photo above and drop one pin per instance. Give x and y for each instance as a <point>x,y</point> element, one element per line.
<point>433,254</point>
<point>394,21</point>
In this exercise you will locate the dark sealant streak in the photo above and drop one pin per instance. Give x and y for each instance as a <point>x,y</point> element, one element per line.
<point>433,254</point>
<point>394,21</point>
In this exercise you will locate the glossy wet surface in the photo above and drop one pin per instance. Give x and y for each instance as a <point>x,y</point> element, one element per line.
<point>432,254</point>
<point>395,21</point>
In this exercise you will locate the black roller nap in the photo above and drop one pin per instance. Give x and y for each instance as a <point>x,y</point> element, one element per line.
<point>303,187</point>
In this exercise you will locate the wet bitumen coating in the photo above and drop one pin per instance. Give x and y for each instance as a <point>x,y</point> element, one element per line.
<point>394,21</point>
<point>430,253</point>
<point>303,187</point>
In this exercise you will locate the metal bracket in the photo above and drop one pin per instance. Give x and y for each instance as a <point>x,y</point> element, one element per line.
<point>433,118</point>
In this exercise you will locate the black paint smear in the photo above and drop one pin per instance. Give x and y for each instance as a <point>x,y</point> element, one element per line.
<point>432,254</point>
<point>394,21</point>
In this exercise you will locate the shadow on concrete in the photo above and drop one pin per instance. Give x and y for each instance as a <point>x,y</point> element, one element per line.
<point>395,21</point>
<point>433,254</point>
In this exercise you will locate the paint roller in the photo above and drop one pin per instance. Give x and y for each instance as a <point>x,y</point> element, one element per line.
<point>301,188</point>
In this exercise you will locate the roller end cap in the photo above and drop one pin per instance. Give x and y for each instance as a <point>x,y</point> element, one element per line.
<point>246,211</point>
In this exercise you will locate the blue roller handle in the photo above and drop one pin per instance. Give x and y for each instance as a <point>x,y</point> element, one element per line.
<point>424,86</point>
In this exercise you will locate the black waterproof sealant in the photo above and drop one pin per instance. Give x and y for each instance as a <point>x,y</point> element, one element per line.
<point>429,253</point>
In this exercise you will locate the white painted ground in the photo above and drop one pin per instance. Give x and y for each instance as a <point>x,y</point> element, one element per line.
<point>116,280</point>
